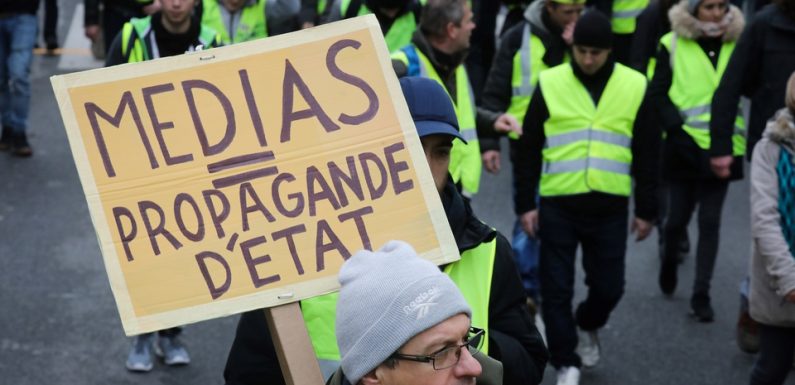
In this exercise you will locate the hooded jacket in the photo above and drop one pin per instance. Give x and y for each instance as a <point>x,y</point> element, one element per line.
<point>682,157</point>
<point>496,97</point>
<point>514,339</point>
<point>772,263</point>
<point>759,68</point>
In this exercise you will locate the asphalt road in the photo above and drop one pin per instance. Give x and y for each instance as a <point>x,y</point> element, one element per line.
<point>59,324</point>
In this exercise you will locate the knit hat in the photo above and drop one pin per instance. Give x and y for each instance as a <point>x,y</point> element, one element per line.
<point>430,106</point>
<point>386,298</point>
<point>692,5</point>
<point>593,30</point>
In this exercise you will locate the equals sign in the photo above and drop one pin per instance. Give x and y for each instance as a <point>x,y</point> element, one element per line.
<point>240,161</point>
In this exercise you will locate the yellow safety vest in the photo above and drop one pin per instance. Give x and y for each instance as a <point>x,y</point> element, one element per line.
<point>138,40</point>
<point>472,274</point>
<point>253,23</point>
<point>399,34</point>
<point>625,15</point>
<point>465,163</point>
<point>695,80</point>
<point>588,147</point>
<point>528,62</point>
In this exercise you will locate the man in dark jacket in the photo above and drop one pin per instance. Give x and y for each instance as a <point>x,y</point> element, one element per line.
<point>512,335</point>
<point>18,26</point>
<point>758,69</point>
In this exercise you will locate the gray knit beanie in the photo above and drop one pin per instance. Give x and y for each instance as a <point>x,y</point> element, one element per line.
<point>692,5</point>
<point>386,298</point>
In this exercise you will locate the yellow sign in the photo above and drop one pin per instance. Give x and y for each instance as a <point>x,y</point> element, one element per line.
<point>242,177</point>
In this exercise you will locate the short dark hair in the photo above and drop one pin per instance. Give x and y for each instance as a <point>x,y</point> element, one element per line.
<point>436,14</point>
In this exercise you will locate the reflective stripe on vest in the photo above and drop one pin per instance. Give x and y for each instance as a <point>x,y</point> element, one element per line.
<point>588,147</point>
<point>625,15</point>
<point>472,274</point>
<point>252,25</point>
<point>138,41</point>
<point>694,98</point>
<point>465,163</point>
<point>399,33</point>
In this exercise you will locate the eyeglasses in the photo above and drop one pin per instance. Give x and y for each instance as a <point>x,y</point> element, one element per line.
<point>449,356</point>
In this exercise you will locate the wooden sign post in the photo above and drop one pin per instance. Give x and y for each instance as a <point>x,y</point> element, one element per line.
<point>242,177</point>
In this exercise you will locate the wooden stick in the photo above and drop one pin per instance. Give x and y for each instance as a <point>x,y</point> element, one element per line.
<point>296,355</point>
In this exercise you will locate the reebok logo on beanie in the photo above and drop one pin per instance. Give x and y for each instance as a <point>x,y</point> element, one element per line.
<point>422,304</point>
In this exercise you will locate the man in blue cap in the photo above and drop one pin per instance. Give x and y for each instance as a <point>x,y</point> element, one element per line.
<point>486,274</point>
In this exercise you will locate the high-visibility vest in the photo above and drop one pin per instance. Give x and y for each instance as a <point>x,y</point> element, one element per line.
<point>625,15</point>
<point>588,147</point>
<point>528,62</point>
<point>399,34</point>
<point>465,163</point>
<point>253,23</point>
<point>695,80</point>
<point>138,40</point>
<point>472,274</point>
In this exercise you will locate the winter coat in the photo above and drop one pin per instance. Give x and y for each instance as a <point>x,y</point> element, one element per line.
<point>652,24</point>
<point>514,339</point>
<point>772,263</point>
<point>683,159</point>
<point>19,6</point>
<point>759,68</point>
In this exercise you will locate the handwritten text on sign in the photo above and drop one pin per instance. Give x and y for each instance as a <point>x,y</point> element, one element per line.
<point>225,178</point>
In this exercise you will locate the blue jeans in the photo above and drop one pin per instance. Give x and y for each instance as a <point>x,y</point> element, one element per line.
<point>525,254</point>
<point>17,38</point>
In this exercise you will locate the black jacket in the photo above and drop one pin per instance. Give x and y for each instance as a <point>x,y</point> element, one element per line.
<point>497,93</point>
<point>514,339</point>
<point>19,6</point>
<point>651,25</point>
<point>759,68</point>
<point>645,158</point>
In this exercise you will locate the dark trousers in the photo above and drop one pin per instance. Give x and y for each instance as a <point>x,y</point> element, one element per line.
<point>604,242</point>
<point>50,21</point>
<point>683,197</point>
<point>776,347</point>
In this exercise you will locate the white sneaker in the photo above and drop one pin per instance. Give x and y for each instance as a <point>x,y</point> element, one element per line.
<point>588,347</point>
<point>568,375</point>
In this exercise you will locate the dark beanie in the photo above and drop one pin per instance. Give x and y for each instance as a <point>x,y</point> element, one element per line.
<point>593,30</point>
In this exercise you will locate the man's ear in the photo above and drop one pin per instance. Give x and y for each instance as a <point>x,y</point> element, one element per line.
<point>451,30</point>
<point>370,378</point>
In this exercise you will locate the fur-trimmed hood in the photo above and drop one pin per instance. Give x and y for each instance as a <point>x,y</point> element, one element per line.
<point>781,129</point>
<point>684,24</point>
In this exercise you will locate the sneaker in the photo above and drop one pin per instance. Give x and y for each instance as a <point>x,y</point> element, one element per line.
<point>171,350</point>
<point>667,279</point>
<point>588,347</point>
<point>5,139</point>
<point>568,375</point>
<point>702,310</point>
<point>20,146</point>
<point>747,333</point>
<point>140,357</point>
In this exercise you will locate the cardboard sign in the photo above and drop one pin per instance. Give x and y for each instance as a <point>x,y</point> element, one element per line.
<point>242,177</point>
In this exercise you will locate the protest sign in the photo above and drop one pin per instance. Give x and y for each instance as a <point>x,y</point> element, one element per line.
<point>242,177</point>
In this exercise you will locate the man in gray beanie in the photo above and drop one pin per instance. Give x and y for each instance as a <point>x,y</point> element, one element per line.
<point>395,306</point>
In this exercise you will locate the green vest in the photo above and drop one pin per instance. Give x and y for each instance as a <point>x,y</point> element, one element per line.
<point>253,23</point>
<point>588,147</point>
<point>527,64</point>
<point>465,163</point>
<point>399,34</point>
<point>138,40</point>
<point>694,98</point>
<point>472,274</point>
<point>625,15</point>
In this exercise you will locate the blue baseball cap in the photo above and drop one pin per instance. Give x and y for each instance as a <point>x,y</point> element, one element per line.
<point>430,107</point>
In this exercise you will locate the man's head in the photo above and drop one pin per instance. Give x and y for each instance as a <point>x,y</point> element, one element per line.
<point>447,24</point>
<point>177,14</point>
<point>395,307</point>
<point>233,5</point>
<point>437,125</point>
<point>593,41</point>
<point>564,12</point>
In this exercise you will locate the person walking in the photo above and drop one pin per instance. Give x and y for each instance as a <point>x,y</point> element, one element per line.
<point>691,61</point>
<point>587,133</point>
<point>772,295</point>
<point>398,18</point>
<point>237,21</point>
